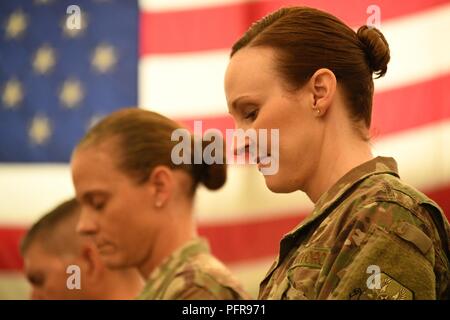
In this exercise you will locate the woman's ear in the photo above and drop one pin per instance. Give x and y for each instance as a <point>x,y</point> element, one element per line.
<point>323,87</point>
<point>161,183</point>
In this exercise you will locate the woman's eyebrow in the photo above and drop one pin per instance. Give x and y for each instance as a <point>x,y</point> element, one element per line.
<point>234,103</point>
<point>88,195</point>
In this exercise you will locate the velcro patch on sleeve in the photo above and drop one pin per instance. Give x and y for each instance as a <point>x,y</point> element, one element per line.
<point>414,235</point>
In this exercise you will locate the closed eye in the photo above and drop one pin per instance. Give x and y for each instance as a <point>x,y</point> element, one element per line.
<point>97,204</point>
<point>96,200</point>
<point>251,115</point>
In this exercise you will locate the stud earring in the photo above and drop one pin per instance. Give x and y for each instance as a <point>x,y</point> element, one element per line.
<point>317,110</point>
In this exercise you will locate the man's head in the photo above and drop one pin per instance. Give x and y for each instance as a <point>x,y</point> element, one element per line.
<point>60,264</point>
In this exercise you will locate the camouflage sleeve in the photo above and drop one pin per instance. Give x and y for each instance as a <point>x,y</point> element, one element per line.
<point>383,252</point>
<point>195,285</point>
<point>196,292</point>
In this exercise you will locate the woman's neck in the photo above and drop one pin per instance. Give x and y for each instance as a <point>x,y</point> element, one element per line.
<point>339,155</point>
<point>178,229</point>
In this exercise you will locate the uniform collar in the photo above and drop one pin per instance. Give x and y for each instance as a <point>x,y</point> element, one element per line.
<point>378,165</point>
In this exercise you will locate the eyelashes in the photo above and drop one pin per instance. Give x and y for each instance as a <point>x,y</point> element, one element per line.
<point>97,202</point>
<point>98,206</point>
<point>251,115</point>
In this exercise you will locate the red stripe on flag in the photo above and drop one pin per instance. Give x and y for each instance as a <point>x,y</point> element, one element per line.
<point>230,242</point>
<point>411,106</point>
<point>219,27</point>
<point>394,110</point>
<point>10,258</point>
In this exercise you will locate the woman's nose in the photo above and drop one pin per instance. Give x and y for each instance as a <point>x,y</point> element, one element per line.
<point>86,225</point>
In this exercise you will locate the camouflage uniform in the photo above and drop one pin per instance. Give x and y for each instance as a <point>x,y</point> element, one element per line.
<point>192,273</point>
<point>371,236</point>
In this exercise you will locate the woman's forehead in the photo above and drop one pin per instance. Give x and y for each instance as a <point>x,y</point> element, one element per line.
<point>91,165</point>
<point>255,59</point>
<point>250,68</point>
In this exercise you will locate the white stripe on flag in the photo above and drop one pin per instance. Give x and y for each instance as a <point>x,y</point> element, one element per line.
<point>14,286</point>
<point>418,47</point>
<point>422,154</point>
<point>251,273</point>
<point>183,85</point>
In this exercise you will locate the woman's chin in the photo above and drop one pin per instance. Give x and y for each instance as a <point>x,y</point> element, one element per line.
<point>275,184</point>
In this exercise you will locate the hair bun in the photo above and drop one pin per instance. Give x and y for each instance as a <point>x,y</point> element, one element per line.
<point>376,49</point>
<point>212,175</point>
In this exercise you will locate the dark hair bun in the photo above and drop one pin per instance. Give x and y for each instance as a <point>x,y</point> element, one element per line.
<point>376,49</point>
<point>214,175</point>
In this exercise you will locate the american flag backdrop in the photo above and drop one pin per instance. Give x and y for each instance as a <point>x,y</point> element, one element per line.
<point>170,56</point>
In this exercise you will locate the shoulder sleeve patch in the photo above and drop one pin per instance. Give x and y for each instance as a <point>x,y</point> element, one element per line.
<point>389,289</point>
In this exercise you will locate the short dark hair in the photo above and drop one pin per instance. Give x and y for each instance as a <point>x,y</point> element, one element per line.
<point>47,225</point>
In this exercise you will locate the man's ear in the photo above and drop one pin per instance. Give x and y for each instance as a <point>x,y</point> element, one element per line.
<point>322,85</point>
<point>93,265</point>
<point>161,183</point>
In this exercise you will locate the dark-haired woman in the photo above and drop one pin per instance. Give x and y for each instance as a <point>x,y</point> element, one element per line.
<point>137,206</point>
<point>370,235</point>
